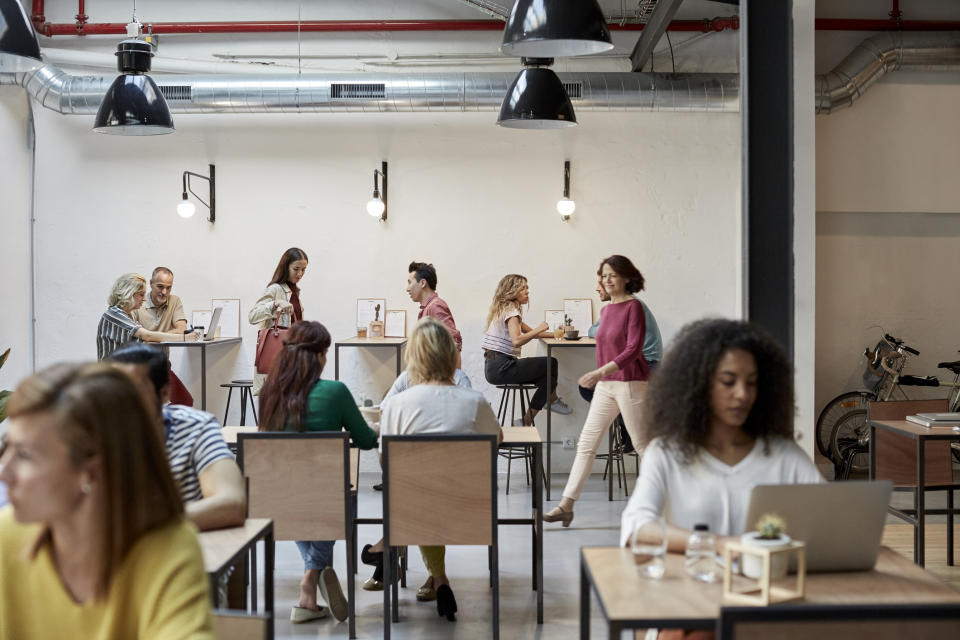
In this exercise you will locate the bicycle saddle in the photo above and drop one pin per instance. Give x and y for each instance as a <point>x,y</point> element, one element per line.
<point>952,366</point>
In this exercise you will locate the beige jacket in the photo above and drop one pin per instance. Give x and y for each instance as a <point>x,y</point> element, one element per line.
<point>262,314</point>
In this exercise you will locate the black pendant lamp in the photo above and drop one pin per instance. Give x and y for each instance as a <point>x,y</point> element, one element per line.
<point>133,105</point>
<point>19,50</point>
<point>536,99</point>
<point>555,29</point>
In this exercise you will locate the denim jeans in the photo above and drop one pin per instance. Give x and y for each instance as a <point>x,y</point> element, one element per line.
<point>316,554</point>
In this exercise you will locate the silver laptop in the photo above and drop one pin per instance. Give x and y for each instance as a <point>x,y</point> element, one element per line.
<point>840,522</point>
<point>214,324</point>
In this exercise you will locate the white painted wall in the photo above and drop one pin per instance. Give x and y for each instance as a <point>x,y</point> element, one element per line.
<point>15,253</point>
<point>476,200</point>
<point>887,224</point>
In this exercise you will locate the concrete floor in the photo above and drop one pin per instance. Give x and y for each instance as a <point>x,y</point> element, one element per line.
<point>597,522</point>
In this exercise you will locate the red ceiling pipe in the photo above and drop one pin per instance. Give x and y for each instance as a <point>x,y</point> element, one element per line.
<point>48,29</point>
<point>846,24</point>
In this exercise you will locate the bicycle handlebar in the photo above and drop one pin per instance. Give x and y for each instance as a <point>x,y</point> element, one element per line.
<point>899,344</point>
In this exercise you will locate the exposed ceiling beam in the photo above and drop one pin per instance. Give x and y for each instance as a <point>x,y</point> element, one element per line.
<point>492,9</point>
<point>652,32</point>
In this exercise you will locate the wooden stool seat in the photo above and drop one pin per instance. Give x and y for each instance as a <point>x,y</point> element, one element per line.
<point>508,396</point>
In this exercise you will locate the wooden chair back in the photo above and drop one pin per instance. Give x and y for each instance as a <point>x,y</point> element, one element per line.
<point>896,455</point>
<point>839,622</point>
<point>440,490</point>
<point>299,480</point>
<point>240,625</point>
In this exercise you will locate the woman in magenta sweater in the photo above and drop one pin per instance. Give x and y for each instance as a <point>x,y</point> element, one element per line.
<point>620,379</point>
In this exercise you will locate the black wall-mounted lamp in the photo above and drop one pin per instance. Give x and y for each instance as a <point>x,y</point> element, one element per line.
<point>566,206</point>
<point>377,205</point>
<point>186,208</point>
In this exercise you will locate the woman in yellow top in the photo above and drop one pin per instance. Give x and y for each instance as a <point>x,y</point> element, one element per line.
<point>94,544</point>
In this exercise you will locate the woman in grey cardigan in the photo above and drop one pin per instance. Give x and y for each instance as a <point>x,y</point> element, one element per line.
<point>280,300</point>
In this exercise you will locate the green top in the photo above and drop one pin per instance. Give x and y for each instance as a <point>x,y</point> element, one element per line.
<point>330,407</point>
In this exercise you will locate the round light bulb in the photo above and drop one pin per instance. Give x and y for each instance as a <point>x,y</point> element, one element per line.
<point>566,206</point>
<point>186,208</point>
<point>375,207</point>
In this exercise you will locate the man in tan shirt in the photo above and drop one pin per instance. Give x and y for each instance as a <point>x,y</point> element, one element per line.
<point>161,311</point>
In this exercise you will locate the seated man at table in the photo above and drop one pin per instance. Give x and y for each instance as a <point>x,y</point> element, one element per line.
<point>162,311</point>
<point>207,476</point>
<point>422,288</point>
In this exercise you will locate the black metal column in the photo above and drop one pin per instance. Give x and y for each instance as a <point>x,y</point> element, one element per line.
<point>766,76</point>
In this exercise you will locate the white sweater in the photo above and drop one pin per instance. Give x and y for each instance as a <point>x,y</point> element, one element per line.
<point>708,490</point>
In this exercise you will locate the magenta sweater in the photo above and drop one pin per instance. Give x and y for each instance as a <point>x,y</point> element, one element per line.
<point>620,339</point>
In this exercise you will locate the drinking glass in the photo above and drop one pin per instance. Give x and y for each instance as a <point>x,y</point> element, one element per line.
<point>649,546</point>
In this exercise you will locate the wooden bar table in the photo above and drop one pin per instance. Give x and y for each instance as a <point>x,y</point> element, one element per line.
<point>551,344</point>
<point>677,601</point>
<point>223,549</point>
<point>395,343</point>
<point>920,435</point>
<point>202,346</point>
<point>529,438</point>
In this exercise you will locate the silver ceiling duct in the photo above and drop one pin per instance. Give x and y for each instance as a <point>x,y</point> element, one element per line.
<point>387,92</point>
<point>876,56</point>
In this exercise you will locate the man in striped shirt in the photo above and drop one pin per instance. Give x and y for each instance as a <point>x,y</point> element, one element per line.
<point>206,474</point>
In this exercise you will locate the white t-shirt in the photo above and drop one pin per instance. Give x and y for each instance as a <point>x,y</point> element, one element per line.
<point>708,490</point>
<point>402,383</point>
<point>431,409</point>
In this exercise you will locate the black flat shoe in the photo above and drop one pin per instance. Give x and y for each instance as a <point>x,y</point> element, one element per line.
<point>446,603</point>
<point>372,558</point>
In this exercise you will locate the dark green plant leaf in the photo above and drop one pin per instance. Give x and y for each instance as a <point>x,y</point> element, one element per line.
<point>4,396</point>
<point>3,358</point>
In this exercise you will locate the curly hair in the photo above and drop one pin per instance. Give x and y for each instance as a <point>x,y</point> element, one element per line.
<point>295,371</point>
<point>124,288</point>
<point>677,406</point>
<point>505,297</point>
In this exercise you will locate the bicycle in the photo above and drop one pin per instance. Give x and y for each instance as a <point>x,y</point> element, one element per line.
<point>842,423</point>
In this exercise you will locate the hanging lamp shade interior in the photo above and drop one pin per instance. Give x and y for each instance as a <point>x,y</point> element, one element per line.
<point>133,105</point>
<point>556,28</point>
<point>19,50</point>
<point>536,100</point>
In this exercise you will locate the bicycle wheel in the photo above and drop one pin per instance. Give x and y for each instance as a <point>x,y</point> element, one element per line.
<point>834,411</point>
<point>847,432</point>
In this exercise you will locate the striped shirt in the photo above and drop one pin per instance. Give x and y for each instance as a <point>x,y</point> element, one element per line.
<point>194,442</point>
<point>116,328</point>
<point>497,338</point>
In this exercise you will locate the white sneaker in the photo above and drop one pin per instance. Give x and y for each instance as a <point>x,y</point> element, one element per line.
<point>561,407</point>
<point>299,615</point>
<point>333,594</point>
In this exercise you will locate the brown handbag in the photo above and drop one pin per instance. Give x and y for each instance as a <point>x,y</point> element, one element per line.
<point>269,343</point>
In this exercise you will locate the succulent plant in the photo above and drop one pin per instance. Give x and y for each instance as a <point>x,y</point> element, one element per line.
<point>376,313</point>
<point>770,526</point>
<point>567,322</point>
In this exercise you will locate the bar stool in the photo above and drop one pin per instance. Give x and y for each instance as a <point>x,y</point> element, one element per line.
<point>614,455</point>
<point>508,398</point>
<point>246,393</point>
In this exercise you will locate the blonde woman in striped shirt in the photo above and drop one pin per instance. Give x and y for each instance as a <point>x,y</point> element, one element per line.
<point>506,334</point>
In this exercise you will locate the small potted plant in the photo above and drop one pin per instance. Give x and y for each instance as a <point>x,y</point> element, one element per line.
<point>770,534</point>
<point>4,395</point>
<point>376,325</point>
<point>569,331</point>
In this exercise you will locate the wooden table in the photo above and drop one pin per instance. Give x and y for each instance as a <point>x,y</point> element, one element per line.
<point>202,346</point>
<point>529,438</point>
<point>224,548</point>
<point>395,343</point>
<point>921,435</point>
<point>551,344</point>
<point>629,601</point>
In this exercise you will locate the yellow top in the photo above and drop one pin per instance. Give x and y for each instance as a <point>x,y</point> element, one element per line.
<point>160,591</point>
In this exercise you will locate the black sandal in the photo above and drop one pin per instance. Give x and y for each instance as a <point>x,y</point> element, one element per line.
<point>446,603</point>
